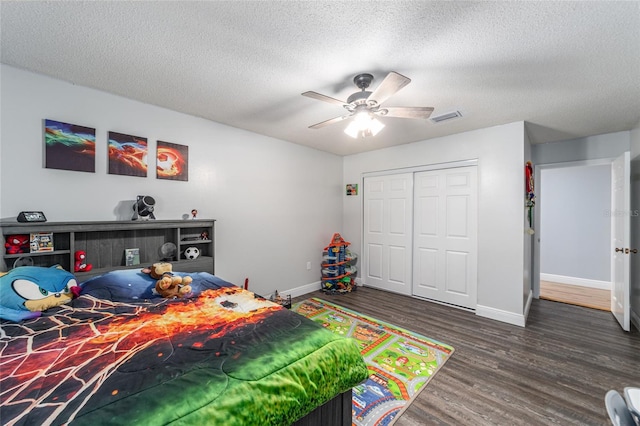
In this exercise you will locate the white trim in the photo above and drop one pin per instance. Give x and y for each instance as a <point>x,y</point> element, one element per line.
<point>527,306</point>
<point>500,315</point>
<point>580,163</point>
<point>635,319</point>
<point>307,288</point>
<point>300,291</point>
<point>423,168</point>
<point>582,282</point>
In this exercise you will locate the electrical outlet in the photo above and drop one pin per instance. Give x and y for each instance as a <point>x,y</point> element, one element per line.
<point>308,266</point>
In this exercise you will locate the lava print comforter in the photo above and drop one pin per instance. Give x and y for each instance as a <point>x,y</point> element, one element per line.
<point>114,356</point>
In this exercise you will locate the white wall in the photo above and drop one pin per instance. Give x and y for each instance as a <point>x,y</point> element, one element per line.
<point>575,234</point>
<point>608,145</point>
<point>500,153</point>
<point>634,141</point>
<point>276,203</point>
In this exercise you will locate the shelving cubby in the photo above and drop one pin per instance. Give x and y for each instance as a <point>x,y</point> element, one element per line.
<point>105,243</point>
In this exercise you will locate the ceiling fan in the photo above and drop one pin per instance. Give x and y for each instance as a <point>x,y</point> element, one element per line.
<point>365,106</point>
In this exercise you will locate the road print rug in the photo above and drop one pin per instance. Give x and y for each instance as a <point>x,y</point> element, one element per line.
<point>400,362</point>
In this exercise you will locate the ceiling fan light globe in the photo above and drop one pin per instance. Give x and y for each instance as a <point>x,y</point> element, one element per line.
<point>362,119</point>
<point>352,130</point>
<point>363,127</point>
<point>375,126</point>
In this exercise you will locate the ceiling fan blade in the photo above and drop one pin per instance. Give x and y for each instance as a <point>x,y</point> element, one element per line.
<point>406,112</point>
<point>330,121</point>
<point>390,85</point>
<point>321,97</point>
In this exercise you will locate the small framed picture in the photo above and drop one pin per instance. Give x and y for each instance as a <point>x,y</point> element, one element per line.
<point>352,189</point>
<point>40,242</point>
<point>131,256</point>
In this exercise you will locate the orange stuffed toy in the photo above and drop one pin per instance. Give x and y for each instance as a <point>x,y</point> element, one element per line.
<point>168,285</point>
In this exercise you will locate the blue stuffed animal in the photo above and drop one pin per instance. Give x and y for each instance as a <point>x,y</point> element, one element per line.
<point>26,291</point>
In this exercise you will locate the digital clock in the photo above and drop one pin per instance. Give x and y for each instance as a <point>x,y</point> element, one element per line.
<point>31,217</point>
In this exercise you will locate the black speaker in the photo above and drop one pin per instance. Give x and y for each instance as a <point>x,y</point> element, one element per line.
<point>143,208</point>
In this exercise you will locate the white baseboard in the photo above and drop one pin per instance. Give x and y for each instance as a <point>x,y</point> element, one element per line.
<point>500,315</point>
<point>583,282</point>
<point>300,291</point>
<point>305,289</point>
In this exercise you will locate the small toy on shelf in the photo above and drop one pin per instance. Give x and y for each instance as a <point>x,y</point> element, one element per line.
<point>17,244</point>
<point>81,264</point>
<point>192,253</point>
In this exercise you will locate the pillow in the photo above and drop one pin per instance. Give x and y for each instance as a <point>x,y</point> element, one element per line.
<point>26,291</point>
<point>132,284</point>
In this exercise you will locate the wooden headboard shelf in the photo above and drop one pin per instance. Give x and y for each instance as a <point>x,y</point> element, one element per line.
<point>105,243</point>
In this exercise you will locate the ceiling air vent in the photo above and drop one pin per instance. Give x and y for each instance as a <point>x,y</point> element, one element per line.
<point>448,116</point>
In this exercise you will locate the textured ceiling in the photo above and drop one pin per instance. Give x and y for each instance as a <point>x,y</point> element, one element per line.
<point>569,69</point>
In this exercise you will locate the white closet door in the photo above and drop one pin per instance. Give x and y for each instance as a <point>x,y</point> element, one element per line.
<point>388,231</point>
<point>445,236</point>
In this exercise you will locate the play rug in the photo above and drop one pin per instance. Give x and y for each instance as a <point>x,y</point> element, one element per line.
<point>400,362</point>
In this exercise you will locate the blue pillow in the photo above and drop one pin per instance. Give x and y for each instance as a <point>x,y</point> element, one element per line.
<point>132,284</point>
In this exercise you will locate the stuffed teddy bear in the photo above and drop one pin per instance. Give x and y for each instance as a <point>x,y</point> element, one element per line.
<point>168,285</point>
<point>81,265</point>
<point>17,244</point>
<point>26,291</point>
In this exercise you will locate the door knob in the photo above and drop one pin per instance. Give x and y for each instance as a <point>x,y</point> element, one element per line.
<point>619,250</point>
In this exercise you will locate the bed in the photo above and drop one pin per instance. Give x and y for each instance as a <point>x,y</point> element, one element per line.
<point>118,355</point>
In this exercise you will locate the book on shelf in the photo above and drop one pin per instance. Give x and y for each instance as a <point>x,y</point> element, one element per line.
<point>132,256</point>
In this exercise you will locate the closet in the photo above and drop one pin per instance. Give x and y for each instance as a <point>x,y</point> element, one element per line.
<point>420,233</point>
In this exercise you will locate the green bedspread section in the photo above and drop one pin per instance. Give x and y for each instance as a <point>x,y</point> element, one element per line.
<point>272,374</point>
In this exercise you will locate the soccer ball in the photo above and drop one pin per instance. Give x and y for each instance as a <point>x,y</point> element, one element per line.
<point>192,253</point>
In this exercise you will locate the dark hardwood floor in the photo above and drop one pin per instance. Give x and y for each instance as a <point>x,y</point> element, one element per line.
<point>554,371</point>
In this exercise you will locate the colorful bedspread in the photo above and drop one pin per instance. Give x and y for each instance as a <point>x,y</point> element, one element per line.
<point>222,357</point>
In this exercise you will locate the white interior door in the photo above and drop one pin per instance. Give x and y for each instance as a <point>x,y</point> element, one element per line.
<point>387,235</point>
<point>620,297</point>
<point>445,236</point>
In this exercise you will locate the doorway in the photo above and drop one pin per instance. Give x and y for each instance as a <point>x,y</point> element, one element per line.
<point>574,233</point>
<point>588,297</point>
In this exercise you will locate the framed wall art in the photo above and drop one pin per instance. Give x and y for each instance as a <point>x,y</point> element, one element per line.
<point>69,146</point>
<point>127,155</point>
<point>172,161</point>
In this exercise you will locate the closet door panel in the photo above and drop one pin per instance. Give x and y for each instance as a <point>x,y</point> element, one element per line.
<point>388,232</point>
<point>374,266</point>
<point>457,277</point>
<point>427,276</point>
<point>445,227</point>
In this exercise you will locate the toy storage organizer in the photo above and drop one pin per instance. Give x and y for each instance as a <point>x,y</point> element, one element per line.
<point>338,267</point>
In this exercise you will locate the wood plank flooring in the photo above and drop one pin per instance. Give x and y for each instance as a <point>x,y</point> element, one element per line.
<point>554,371</point>
<point>594,298</point>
